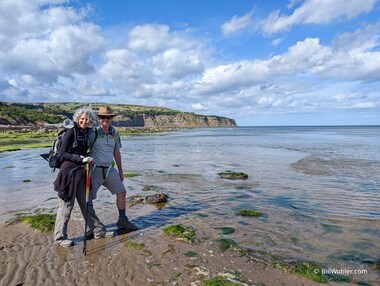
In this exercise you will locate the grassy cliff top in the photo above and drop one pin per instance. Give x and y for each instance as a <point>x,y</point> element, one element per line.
<point>53,113</point>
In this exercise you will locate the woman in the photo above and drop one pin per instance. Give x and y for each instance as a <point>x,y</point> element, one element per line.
<point>71,179</point>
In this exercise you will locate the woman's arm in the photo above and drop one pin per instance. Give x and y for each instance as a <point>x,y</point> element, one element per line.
<point>67,141</point>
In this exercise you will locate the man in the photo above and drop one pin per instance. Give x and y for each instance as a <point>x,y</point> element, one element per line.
<point>105,149</point>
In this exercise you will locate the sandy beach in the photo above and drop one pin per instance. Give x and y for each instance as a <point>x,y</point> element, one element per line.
<point>29,257</point>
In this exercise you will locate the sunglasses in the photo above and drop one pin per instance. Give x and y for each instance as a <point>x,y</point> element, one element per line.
<point>105,117</point>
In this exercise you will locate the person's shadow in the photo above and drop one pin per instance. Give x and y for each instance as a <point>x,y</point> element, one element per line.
<point>157,218</point>
<point>163,216</point>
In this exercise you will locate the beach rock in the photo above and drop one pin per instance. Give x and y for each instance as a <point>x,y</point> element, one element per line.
<point>134,200</point>
<point>233,175</point>
<point>376,266</point>
<point>156,198</point>
<point>150,199</point>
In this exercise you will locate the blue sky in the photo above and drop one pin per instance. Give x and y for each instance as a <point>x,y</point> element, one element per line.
<point>313,62</point>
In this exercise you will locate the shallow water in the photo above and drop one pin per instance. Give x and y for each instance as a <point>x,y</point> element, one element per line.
<point>318,187</point>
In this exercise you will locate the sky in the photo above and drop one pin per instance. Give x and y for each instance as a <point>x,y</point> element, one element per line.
<point>262,63</point>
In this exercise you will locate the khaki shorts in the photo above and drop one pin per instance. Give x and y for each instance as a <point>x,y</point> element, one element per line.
<point>111,181</point>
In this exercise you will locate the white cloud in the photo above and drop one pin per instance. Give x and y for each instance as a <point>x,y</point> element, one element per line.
<point>153,38</point>
<point>367,104</point>
<point>177,63</point>
<point>232,76</point>
<point>51,52</point>
<point>198,106</point>
<point>357,100</point>
<point>308,77</point>
<point>44,42</point>
<point>236,24</point>
<point>154,66</point>
<point>10,90</point>
<point>265,100</point>
<point>149,38</point>
<point>292,3</point>
<point>13,83</point>
<point>359,41</point>
<point>124,69</point>
<point>359,62</point>
<point>354,56</point>
<point>317,12</point>
<point>299,58</point>
<point>276,42</point>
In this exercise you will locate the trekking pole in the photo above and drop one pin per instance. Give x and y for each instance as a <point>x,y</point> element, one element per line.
<point>88,184</point>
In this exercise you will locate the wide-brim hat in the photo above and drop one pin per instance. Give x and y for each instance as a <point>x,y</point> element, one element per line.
<point>105,111</point>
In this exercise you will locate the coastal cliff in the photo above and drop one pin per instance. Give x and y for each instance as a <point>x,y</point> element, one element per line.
<point>186,120</point>
<point>45,114</point>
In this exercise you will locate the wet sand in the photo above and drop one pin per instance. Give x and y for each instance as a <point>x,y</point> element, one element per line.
<point>29,257</point>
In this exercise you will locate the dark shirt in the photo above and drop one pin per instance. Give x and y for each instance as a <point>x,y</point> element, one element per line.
<point>72,149</point>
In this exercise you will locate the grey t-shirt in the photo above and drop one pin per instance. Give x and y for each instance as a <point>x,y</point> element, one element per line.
<point>103,147</point>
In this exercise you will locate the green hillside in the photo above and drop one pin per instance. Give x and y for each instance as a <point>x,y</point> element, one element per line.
<point>43,114</point>
<point>53,113</point>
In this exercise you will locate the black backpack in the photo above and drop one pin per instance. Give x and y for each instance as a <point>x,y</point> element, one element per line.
<point>54,159</point>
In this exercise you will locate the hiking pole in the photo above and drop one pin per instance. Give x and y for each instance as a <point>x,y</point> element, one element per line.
<point>88,184</point>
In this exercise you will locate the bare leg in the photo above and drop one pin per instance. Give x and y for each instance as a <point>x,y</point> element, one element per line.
<point>120,201</point>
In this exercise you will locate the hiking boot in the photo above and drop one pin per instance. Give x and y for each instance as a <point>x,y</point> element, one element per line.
<point>124,223</point>
<point>103,234</point>
<point>65,242</point>
<point>89,236</point>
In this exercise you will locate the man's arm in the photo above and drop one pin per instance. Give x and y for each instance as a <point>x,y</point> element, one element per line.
<point>117,156</point>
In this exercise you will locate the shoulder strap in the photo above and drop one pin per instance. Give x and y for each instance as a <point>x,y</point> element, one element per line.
<point>93,141</point>
<point>75,143</point>
<point>114,133</point>
<point>61,131</point>
<point>96,137</point>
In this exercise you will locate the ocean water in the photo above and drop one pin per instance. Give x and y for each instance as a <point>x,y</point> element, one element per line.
<point>318,187</point>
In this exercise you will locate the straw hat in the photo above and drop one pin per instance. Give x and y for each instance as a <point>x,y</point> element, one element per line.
<point>105,111</point>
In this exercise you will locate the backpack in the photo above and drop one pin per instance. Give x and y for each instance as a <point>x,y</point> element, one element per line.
<point>54,159</point>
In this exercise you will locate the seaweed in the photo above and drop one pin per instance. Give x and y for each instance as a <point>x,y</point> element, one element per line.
<point>41,222</point>
<point>225,244</point>
<point>308,270</point>
<point>233,175</point>
<point>131,175</point>
<point>201,215</point>
<point>226,229</point>
<point>180,231</point>
<point>250,213</point>
<point>135,245</point>
<point>190,254</point>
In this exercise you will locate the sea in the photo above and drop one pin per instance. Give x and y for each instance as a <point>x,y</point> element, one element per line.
<point>317,187</point>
